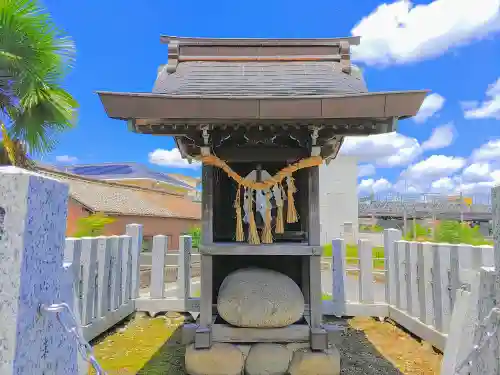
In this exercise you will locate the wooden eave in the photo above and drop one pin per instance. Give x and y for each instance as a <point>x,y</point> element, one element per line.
<point>220,109</point>
<point>243,42</point>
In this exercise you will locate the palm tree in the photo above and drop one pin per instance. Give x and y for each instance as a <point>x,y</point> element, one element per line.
<point>34,57</point>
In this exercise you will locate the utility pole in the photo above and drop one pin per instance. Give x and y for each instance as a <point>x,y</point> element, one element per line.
<point>405,220</point>
<point>461,207</point>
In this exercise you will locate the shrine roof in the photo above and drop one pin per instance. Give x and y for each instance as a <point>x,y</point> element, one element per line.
<point>287,89</point>
<point>262,79</point>
<point>213,81</point>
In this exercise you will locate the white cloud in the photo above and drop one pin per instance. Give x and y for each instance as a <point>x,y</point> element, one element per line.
<point>477,172</point>
<point>444,185</point>
<point>366,170</point>
<point>401,32</point>
<point>67,159</point>
<point>170,158</point>
<point>477,188</point>
<point>394,149</point>
<point>432,104</point>
<point>487,152</point>
<point>374,186</point>
<point>386,150</point>
<point>478,179</point>
<point>489,108</point>
<point>441,137</point>
<point>433,168</point>
<point>405,186</point>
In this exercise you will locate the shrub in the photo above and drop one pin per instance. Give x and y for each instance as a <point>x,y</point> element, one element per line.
<point>195,233</point>
<point>92,225</point>
<point>455,232</point>
<point>418,232</point>
<point>371,228</point>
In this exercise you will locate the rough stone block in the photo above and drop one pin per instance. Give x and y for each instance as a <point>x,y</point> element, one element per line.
<point>306,362</point>
<point>188,333</point>
<point>245,349</point>
<point>268,359</point>
<point>220,359</point>
<point>32,234</point>
<point>260,298</point>
<point>294,346</point>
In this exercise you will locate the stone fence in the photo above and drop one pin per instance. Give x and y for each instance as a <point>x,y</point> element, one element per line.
<point>58,293</point>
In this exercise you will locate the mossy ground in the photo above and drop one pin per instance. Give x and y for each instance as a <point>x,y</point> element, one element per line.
<point>143,346</point>
<point>152,347</point>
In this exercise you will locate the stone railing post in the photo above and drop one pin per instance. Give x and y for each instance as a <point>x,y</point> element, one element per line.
<point>32,233</point>
<point>348,233</point>
<point>390,237</point>
<point>184,271</point>
<point>495,202</point>
<point>135,231</point>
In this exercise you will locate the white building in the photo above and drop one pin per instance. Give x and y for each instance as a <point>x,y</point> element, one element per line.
<point>338,197</point>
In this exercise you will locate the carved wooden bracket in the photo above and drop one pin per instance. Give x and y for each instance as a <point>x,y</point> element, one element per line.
<point>173,56</point>
<point>345,56</point>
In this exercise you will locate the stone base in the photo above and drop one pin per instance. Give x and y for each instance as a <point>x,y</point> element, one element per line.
<point>261,359</point>
<point>220,359</point>
<point>306,362</point>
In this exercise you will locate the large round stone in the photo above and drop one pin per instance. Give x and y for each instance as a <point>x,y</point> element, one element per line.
<point>306,362</point>
<point>220,359</point>
<point>260,298</point>
<point>268,359</point>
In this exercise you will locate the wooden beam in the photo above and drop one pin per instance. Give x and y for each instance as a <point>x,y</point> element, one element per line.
<point>314,227</point>
<point>260,154</point>
<point>272,249</point>
<point>207,194</point>
<point>260,58</point>
<point>292,333</point>
<point>258,42</point>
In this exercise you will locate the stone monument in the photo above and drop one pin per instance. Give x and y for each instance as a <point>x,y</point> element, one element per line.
<point>32,234</point>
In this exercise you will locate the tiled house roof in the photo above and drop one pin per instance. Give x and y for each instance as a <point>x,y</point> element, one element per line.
<point>117,171</point>
<point>191,181</point>
<point>117,199</point>
<point>258,78</point>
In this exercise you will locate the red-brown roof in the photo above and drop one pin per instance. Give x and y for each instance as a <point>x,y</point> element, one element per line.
<point>117,199</point>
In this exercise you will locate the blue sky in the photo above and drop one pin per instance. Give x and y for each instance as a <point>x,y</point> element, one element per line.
<point>451,47</point>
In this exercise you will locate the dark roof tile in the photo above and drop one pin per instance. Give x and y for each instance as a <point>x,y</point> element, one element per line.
<point>258,79</point>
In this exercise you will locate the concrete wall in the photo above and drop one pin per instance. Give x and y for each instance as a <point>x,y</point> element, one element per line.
<point>171,227</point>
<point>168,226</point>
<point>75,212</point>
<point>338,197</point>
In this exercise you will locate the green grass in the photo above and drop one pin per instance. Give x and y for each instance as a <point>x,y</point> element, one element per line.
<point>352,252</point>
<point>371,228</point>
<point>145,347</point>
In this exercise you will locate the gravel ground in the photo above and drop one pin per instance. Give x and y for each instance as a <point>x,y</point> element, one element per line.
<point>152,347</point>
<point>359,356</point>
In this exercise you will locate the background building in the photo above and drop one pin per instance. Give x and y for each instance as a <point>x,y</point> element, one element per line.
<point>338,197</point>
<point>160,212</point>
<point>134,174</point>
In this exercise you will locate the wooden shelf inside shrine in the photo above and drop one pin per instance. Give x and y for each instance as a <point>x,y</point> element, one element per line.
<point>235,248</point>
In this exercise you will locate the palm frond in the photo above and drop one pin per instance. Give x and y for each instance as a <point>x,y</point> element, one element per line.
<point>47,113</point>
<point>34,57</point>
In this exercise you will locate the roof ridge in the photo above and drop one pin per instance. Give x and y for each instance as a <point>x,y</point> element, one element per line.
<point>103,163</point>
<point>137,165</point>
<point>107,183</point>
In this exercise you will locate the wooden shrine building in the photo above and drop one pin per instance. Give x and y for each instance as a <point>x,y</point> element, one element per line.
<point>261,115</point>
